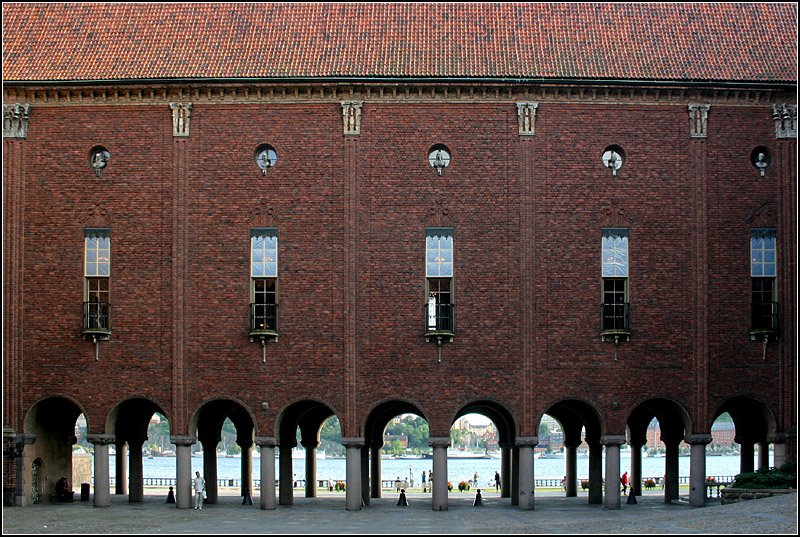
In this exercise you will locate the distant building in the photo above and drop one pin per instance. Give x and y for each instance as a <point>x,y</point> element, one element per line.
<point>388,438</point>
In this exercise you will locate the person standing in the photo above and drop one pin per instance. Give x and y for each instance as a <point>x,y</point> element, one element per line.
<point>199,490</point>
<point>624,481</point>
<point>497,480</point>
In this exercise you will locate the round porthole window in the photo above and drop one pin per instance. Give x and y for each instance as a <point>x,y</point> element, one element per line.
<point>266,157</point>
<point>98,159</point>
<point>613,158</point>
<point>439,158</point>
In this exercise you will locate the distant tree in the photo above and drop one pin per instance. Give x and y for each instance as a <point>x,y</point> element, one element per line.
<point>544,429</point>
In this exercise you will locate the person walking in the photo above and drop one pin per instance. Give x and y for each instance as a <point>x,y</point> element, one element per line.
<point>497,480</point>
<point>624,481</point>
<point>199,490</point>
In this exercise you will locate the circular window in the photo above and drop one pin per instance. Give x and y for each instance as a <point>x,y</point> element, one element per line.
<point>265,157</point>
<point>613,157</point>
<point>761,159</point>
<point>98,159</point>
<point>439,158</point>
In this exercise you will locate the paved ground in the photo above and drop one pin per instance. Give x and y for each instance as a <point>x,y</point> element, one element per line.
<point>326,515</point>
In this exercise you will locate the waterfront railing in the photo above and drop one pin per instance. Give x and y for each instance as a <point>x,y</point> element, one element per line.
<point>391,483</point>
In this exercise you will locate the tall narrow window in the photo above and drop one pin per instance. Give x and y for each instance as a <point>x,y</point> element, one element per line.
<point>615,307</point>
<point>97,275</point>
<point>763,276</point>
<point>439,315</point>
<point>264,282</point>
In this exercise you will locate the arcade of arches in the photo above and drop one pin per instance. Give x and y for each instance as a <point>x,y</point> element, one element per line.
<point>43,452</point>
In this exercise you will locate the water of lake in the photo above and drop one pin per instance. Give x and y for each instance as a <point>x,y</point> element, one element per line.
<point>457,469</point>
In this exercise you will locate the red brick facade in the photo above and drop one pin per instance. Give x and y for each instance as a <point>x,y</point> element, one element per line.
<point>351,211</point>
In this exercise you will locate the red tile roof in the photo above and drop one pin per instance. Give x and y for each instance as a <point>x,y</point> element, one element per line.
<point>664,41</point>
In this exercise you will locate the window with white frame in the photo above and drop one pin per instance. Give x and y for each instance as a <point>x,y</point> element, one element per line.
<point>763,276</point>
<point>263,279</point>
<point>439,279</point>
<point>97,277</point>
<point>614,272</point>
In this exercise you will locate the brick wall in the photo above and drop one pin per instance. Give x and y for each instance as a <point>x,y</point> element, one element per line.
<point>482,194</point>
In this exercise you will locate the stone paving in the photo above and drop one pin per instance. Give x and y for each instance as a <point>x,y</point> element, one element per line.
<point>553,514</point>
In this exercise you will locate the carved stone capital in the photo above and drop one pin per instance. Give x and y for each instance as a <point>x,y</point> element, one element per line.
<point>526,116</point>
<point>266,441</point>
<point>101,439</point>
<point>353,442</point>
<point>351,115</point>
<point>785,116</point>
<point>613,439</point>
<point>697,439</point>
<point>182,440</point>
<point>527,441</point>
<point>698,120</point>
<point>15,120</point>
<point>439,441</point>
<point>181,114</point>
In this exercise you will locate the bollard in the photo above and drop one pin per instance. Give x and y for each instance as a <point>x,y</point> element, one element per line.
<point>170,496</point>
<point>478,499</point>
<point>402,502</point>
<point>631,497</point>
<point>247,500</point>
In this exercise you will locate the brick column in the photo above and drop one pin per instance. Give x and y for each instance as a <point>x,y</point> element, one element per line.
<point>671,469</point>
<point>505,470</point>
<point>311,468</point>
<point>121,467</point>
<point>209,443</point>
<point>375,471</point>
<point>285,477</point>
<point>136,470</point>
<point>595,472</point>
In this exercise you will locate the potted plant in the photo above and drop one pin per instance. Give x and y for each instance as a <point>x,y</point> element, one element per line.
<point>463,486</point>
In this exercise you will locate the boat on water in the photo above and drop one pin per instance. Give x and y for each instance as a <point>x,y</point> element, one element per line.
<point>300,454</point>
<point>551,456</point>
<point>463,454</point>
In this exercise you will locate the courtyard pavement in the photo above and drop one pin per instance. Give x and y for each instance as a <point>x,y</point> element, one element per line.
<point>553,514</point>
